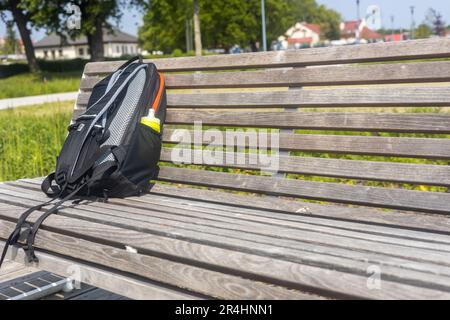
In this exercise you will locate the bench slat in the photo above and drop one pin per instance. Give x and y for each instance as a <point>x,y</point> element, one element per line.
<point>191,215</point>
<point>433,148</point>
<point>204,281</point>
<point>330,75</point>
<point>350,169</point>
<point>371,196</point>
<point>405,50</point>
<point>348,97</point>
<point>388,122</point>
<point>370,216</point>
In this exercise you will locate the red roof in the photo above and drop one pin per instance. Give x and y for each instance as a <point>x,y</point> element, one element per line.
<point>351,25</point>
<point>300,40</point>
<point>368,34</point>
<point>313,27</point>
<point>394,37</point>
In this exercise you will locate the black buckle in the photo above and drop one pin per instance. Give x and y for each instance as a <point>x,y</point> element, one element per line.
<point>29,253</point>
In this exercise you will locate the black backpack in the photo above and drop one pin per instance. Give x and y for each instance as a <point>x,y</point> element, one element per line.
<point>110,150</point>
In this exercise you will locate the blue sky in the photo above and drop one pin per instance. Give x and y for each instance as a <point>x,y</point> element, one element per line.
<point>398,8</point>
<point>347,8</point>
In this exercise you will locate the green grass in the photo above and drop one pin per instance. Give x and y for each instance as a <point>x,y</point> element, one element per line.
<point>31,138</point>
<point>29,84</point>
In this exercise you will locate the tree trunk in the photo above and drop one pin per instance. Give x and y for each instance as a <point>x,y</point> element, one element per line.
<point>197,31</point>
<point>95,42</point>
<point>25,35</point>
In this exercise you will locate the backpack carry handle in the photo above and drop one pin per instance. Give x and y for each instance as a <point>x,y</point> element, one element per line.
<point>138,57</point>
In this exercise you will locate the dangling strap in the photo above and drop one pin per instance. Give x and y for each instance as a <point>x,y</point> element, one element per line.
<point>14,237</point>
<point>28,247</point>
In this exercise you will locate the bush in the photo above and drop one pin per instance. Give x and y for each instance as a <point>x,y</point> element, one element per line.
<point>13,69</point>
<point>177,53</point>
<point>62,65</point>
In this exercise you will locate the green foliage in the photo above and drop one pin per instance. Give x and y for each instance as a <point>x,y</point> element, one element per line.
<point>95,15</point>
<point>423,31</point>
<point>9,70</point>
<point>72,65</point>
<point>75,66</point>
<point>164,25</point>
<point>31,138</point>
<point>309,11</point>
<point>226,23</point>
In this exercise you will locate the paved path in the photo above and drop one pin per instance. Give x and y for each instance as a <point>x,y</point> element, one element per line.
<point>27,101</point>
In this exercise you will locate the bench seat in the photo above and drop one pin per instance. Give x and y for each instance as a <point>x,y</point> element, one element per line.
<point>358,208</point>
<point>193,243</point>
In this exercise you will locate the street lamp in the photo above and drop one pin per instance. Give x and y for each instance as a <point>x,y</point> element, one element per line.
<point>263,23</point>
<point>413,24</point>
<point>358,17</point>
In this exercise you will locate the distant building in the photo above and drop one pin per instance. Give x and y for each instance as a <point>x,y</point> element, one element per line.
<point>300,35</point>
<point>116,44</point>
<point>395,37</point>
<point>351,31</point>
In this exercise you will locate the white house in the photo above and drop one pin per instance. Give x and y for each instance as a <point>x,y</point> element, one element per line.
<point>300,35</point>
<point>116,44</point>
<point>353,30</point>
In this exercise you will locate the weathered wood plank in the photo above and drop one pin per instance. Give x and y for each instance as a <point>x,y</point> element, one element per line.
<point>290,208</point>
<point>331,75</point>
<point>315,98</point>
<point>433,202</point>
<point>311,271</point>
<point>247,222</point>
<point>102,278</point>
<point>341,97</point>
<point>212,283</point>
<point>388,122</point>
<point>351,169</point>
<point>415,221</point>
<point>405,50</point>
<point>432,148</point>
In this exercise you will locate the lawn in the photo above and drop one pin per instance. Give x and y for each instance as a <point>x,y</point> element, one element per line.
<point>28,84</point>
<point>30,139</point>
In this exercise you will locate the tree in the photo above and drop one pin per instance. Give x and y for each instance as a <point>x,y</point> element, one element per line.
<point>230,22</point>
<point>309,11</point>
<point>163,25</point>
<point>21,16</point>
<point>11,41</point>
<point>423,31</point>
<point>436,23</point>
<point>96,17</point>
<point>197,29</point>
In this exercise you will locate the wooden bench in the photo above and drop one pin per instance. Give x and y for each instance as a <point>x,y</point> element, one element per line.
<point>327,225</point>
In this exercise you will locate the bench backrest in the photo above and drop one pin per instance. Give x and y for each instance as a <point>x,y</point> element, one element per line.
<point>340,138</point>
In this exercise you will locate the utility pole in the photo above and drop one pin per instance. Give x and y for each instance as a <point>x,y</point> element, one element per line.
<point>392,27</point>
<point>263,25</point>
<point>413,23</point>
<point>358,11</point>
<point>189,45</point>
<point>197,32</point>
<point>358,17</point>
